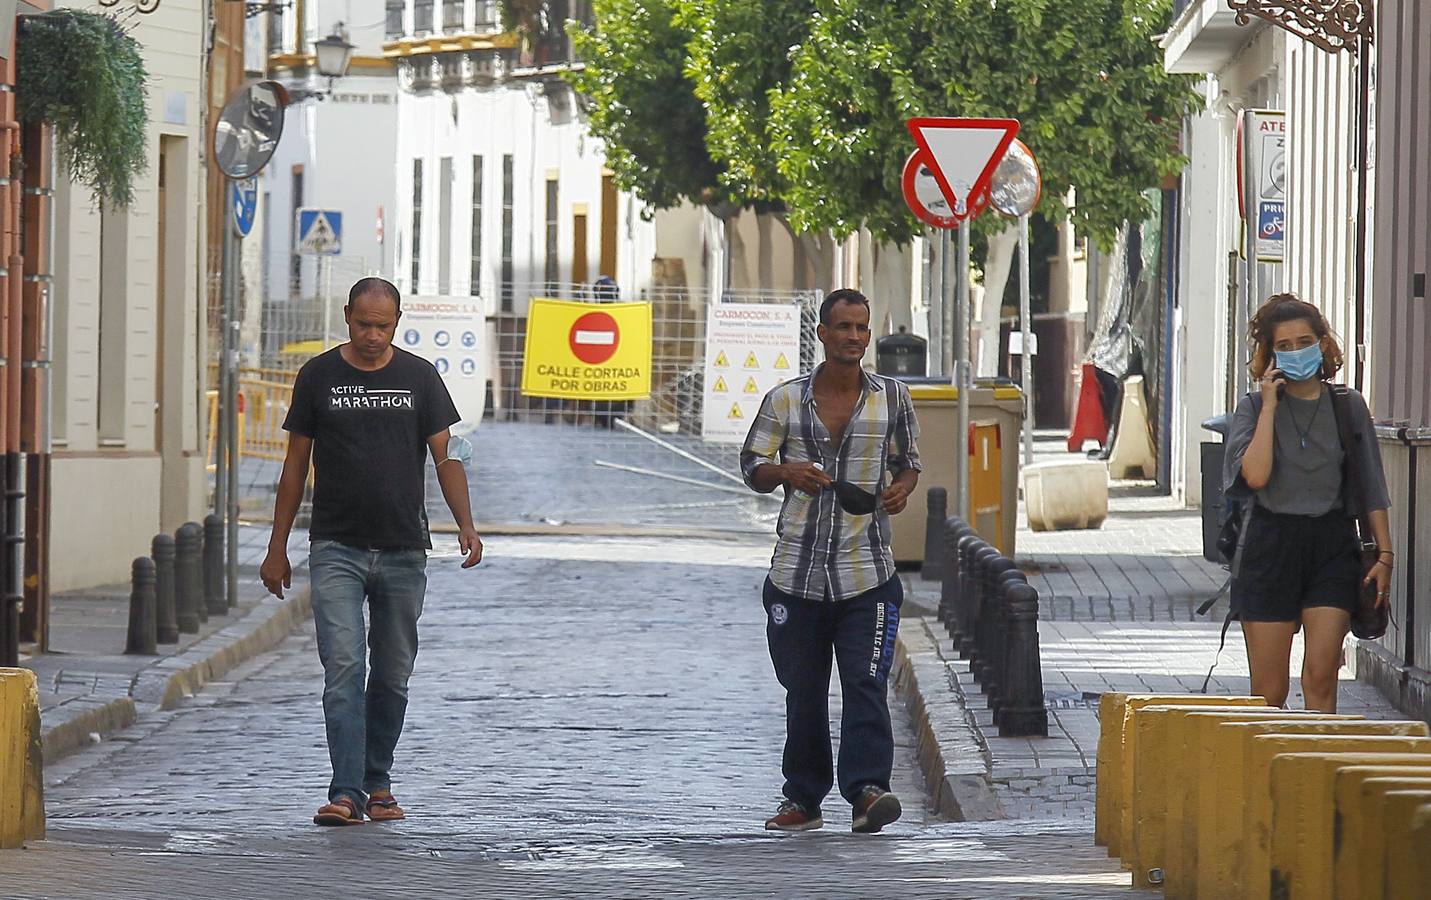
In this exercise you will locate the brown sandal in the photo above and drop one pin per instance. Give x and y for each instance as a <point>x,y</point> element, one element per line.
<point>342,811</point>
<point>383,807</point>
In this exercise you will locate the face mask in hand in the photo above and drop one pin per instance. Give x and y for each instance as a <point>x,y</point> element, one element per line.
<point>855,500</point>
<point>1300,365</point>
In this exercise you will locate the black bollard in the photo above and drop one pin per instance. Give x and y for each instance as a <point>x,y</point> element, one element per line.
<point>984,557</point>
<point>214,599</point>
<point>1023,712</point>
<point>933,567</point>
<point>998,679</point>
<point>992,566</point>
<point>954,529</point>
<point>188,577</point>
<point>966,607</point>
<point>142,635</point>
<point>165,604</point>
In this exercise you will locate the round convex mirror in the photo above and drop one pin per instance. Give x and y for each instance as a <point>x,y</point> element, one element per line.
<point>1017,182</point>
<point>249,127</point>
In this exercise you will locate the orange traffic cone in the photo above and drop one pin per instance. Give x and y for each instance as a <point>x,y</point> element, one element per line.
<point>1088,421</point>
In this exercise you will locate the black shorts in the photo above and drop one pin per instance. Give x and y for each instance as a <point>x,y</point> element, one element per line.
<point>1292,562</point>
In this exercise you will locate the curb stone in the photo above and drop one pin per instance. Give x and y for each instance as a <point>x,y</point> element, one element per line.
<point>171,680</point>
<point>955,762</point>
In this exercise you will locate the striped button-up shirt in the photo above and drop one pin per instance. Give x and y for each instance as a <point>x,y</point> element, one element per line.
<point>823,552</point>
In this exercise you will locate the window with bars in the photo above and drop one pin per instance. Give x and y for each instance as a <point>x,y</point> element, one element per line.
<point>421,17</point>
<point>553,265</point>
<point>395,10</point>
<point>416,224</point>
<point>475,276</point>
<point>507,196</point>
<point>487,15</point>
<point>452,14</point>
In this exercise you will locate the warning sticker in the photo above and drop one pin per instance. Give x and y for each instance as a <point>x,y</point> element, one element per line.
<point>765,337</point>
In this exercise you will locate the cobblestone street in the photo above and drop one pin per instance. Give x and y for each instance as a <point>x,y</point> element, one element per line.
<point>588,718</point>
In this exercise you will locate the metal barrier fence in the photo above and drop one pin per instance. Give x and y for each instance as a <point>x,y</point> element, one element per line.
<point>540,461</point>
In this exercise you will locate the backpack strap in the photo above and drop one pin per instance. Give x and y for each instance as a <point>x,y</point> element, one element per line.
<point>1351,467</point>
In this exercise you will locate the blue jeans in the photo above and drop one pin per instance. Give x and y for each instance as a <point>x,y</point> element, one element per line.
<point>364,721</point>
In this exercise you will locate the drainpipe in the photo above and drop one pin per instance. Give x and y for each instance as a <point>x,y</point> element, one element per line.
<point>14,584</point>
<point>37,231</point>
<point>11,575</point>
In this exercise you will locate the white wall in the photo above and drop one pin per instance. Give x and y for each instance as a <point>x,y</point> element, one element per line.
<point>115,486</point>
<point>346,146</point>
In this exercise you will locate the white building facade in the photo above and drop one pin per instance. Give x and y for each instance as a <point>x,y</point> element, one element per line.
<point>129,401</point>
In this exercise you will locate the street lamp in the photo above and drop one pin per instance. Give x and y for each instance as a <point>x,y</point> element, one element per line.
<point>334,53</point>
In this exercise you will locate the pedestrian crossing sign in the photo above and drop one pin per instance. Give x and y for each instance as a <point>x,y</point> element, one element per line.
<point>320,232</point>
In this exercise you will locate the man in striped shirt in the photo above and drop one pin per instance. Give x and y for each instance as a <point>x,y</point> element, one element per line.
<point>842,443</point>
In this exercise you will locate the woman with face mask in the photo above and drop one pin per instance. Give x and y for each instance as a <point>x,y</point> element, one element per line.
<point>1301,562</point>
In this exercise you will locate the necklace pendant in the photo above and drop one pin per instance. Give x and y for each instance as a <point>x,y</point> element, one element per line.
<point>1304,443</point>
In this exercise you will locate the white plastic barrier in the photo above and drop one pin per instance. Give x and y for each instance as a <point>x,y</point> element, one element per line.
<point>1064,495</point>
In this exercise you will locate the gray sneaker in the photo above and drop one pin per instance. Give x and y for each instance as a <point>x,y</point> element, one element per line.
<point>875,809</point>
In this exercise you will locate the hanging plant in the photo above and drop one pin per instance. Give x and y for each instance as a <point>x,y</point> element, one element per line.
<point>84,75</point>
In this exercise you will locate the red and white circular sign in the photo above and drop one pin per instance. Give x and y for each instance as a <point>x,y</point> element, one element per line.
<point>925,198</point>
<point>594,337</point>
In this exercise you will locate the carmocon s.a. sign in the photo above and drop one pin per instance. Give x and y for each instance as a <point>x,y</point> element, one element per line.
<point>583,351</point>
<point>750,348</point>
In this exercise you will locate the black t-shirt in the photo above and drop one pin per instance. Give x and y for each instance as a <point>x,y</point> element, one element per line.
<point>369,432</point>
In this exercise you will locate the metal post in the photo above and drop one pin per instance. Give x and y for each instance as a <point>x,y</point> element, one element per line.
<point>229,407</point>
<point>1026,360</point>
<point>325,271</point>
<point>963,380</point>
<point>214,563</point>
<point>943,336</point>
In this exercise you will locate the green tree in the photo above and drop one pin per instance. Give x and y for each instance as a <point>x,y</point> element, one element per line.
<point>1084,79</point>
<point>642,106</point>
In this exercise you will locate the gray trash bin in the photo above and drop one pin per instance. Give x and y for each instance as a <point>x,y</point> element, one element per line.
<point>1213,454</point>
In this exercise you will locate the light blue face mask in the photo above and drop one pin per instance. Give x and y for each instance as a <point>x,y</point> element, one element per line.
<point>1300,365</point>
<point>459,449</point>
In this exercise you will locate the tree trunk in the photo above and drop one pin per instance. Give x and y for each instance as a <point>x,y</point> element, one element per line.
<point>997,266</point>
<point>765,262</point>
<point>738,269</point>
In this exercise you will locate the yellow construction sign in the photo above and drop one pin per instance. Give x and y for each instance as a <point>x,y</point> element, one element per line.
<point>735,412</point>
<point>721,362</point>
<point>751,387</point>
<point>751,362</point>
<point>781,362</point>
<point>720,386</point>
<point>585,351</point>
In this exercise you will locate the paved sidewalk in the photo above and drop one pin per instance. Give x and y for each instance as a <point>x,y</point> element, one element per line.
<point>89,688</point>
<point>1116,613</point>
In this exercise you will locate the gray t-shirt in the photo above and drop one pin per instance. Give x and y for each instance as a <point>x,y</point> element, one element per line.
<point>1306,480</point>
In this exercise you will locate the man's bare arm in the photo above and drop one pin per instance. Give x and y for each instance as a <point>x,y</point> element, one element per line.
<point>275,571</point>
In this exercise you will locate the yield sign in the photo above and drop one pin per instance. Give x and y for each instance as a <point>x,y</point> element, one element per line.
<point>594,338</point>
<point>962,154</point>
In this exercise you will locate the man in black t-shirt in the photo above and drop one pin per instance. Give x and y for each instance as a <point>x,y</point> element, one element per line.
<point>366,413</point>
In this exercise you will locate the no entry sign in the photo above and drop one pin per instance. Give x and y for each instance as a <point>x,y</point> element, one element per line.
<point>577,351</point>
<point>595,338</point>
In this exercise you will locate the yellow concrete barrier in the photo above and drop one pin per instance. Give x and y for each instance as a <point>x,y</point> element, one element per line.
<point>1409,882</point>
<point>22,798</point>
<point>1161,759</point>
<point>1225,796</point>
<point>1393,737</point>
<point>1350,832</point>
<point>1304,818</point>
<point>1113,820</point>
<point>1396,827</point>
<point>1197,773</point>
<point>1371,879</point>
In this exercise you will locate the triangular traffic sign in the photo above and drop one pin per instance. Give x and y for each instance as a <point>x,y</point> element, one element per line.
<point>781,362</point>
<point>720,387</point>
<point>751,362</point>
<point>962,154</point>
<point>721,361</point>
<point>735,412</point>
<point>751,387</point>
